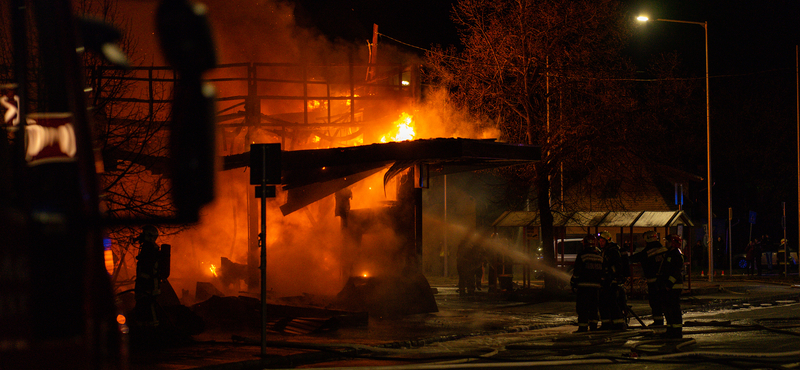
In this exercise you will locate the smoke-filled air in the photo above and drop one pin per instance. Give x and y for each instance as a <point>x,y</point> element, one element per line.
<point>307,251</point>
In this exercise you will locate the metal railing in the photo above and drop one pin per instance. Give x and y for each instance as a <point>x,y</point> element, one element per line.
<point>336,100</point>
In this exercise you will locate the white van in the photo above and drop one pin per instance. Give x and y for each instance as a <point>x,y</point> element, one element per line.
<point>566,251</point>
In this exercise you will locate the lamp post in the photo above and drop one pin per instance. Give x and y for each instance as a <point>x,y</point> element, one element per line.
<point>708,145</point>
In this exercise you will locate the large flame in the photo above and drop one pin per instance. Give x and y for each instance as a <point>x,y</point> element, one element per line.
<point>316,104</point>
<point>404,129</point>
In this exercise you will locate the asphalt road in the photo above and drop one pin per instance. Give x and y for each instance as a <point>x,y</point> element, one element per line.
<point>741,337</point>
<point>479,332</point>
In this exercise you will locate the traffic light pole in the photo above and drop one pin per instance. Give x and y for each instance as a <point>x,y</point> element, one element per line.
<point>265,168</point>
<point>263,244</point>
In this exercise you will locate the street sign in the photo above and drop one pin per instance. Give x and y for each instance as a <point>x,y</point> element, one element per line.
<point>265,164</point>
<point>51,138</point>
<point>752,217</point>
<point>265,172</point>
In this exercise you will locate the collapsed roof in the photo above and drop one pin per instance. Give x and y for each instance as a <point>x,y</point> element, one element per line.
<point>310,175</point>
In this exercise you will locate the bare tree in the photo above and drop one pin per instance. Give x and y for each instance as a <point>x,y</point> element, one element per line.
<point>547,73</point>
<point>130,112</point>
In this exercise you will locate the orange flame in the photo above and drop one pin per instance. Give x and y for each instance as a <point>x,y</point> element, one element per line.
<point>213,270</point>
<point>314,104</point>
<point>403,131</point>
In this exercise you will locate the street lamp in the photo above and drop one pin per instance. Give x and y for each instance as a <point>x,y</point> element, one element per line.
<point>710,234</point>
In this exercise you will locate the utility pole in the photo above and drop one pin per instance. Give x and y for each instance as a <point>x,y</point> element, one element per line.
<point>786,254</point>
<point>730,243</point>
<point>265,169</point>
<point>446,229</point>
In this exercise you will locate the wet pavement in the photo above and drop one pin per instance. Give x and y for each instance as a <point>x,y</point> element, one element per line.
<point>464,326</point>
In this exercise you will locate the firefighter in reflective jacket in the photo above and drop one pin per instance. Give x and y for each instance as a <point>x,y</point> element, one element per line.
<point>670,282</point>
<point>586,281</point>
<point>651,258</point>
<point>611,311</point>
<point>147,286</point>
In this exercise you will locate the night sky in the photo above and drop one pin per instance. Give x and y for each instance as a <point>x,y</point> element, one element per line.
<point>753,100</point>
<point>752,68</point>
<point>751,64</point>
<point>744,35</point>
<point>416,22</point>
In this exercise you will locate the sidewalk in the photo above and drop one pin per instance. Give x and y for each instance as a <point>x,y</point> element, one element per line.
<point>458,317</point>
<point>737,289</point>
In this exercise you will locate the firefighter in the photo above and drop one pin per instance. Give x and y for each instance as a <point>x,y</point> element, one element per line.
<point>342,209</point>
<point>611,313</point>
<point>650,258</point>
<point>469,259</point>
<point>586,281</point>
<point>494,264</point>
<point>147,286</point>
<point>625,263</point>
<point>670,285</point>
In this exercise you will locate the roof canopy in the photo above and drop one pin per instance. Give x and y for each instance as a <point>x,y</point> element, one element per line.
<point>310,175</point>
<point>597,218</point>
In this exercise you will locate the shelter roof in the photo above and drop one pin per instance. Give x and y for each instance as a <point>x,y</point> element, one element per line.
<point>310,175</point>
<point>597,218</point>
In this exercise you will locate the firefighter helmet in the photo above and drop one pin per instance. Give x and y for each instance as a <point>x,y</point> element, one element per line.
<point>149,233</point>
<point>589,240</point>
<point>675,238</point>
<point>605,235</point>
<point>650,236</point>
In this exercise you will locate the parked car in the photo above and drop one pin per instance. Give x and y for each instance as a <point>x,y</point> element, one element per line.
<point>740,260</point>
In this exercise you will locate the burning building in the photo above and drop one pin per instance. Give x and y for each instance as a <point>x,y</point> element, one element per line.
<point>384,241</point>
<point>346,121</point>
<point>315,243</point>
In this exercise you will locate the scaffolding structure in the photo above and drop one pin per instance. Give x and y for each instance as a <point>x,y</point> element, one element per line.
<point>299,104</point>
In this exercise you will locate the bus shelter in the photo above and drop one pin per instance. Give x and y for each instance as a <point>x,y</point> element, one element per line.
<point>627,225</point>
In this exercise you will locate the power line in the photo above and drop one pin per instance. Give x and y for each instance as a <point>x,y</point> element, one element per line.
<point>404,43</point>
<point>604,78</point>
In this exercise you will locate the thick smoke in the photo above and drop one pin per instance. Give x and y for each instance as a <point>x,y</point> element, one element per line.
<point>306,250</point>
<point>440,118</point>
